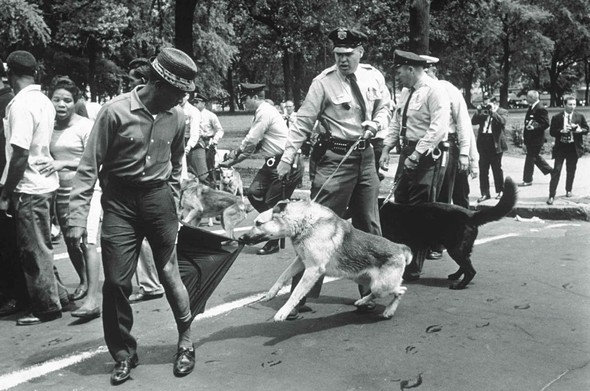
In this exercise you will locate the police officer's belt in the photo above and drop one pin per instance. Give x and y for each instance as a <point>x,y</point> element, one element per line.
<point>341,146</point>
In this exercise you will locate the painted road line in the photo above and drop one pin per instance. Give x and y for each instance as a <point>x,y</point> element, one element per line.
<point>24,375</point>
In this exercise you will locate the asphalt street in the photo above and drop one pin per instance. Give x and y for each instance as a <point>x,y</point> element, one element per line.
<point>520,325</point>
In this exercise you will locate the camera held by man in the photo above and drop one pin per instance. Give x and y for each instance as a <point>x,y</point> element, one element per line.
<point>485,108</point>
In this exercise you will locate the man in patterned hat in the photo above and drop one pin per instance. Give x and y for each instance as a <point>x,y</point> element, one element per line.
<point>135,149</point>
<point>351,102</point>
<point>267,135</point>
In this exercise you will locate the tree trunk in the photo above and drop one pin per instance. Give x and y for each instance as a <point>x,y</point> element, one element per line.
<point>553,75</point>
<point>467,83</point>
<point>505,73</point>
<point>287,74</point>
<point>92,59</point>
<point>298,73</point>
<point>183,25</point>
<point>587,80</point>
<point>230,89</point>
<point>419,26</point>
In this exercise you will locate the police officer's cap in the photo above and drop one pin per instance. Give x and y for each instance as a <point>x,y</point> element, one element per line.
<point>201,97</point>
<point>430,60</point>
<point>345,40</point>
<point>408,58</point>
<point>251,89</point>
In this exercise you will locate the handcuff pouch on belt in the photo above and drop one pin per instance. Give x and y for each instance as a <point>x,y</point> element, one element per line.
<point>273,161</point>
<point>320,147</point>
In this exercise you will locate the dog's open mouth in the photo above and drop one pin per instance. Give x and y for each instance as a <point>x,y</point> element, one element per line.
<point>251,239</point>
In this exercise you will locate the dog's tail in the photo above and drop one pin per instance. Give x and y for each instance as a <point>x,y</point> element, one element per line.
<point>501,209</point>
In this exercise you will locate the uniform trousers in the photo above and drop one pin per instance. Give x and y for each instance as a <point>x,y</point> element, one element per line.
<point>417,186</point>
<point>266,189</point>
<point>352,191</point>
<point>450,173</point>
<point>196,161</point>
<point>131,214</point>
<point>534,158</point>
<point>461,189</point>
<point>567,153</point>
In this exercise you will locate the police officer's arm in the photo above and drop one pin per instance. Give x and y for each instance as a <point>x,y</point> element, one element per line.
<point>251,141</point>
<point>176,155</point>
<point>464,128</point>
<point>391,138</point>
<point>381,114</point>
<point>87,174</point>
<point>218,129</point>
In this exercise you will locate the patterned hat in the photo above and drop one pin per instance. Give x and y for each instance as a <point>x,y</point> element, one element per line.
<point>177,68</point>
<point>346,40</point>
<point>22,62</point>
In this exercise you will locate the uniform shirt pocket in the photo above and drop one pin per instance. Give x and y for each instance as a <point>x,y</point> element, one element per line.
<point>343,101</point>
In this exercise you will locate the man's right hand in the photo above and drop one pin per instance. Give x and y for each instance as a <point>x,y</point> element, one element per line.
<point>283,169</point>
<point>384,161</point>
<point>73,236</point>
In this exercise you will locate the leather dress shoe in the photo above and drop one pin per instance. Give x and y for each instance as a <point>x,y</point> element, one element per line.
<point>483,198</point>
<point>569,194</point>
<point>411,277</point>
<point>525,184</point>
<point>142,296</point>
<point>79,293</point>
<point>86,314</point>
<point>9,307</point>
<point>122,370</point>
<point>30,319</point>
<point>271,247</point>
<point>185,361</point>
<point>550,201</point>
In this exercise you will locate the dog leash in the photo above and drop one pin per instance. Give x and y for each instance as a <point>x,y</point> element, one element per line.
<point>348,153</point>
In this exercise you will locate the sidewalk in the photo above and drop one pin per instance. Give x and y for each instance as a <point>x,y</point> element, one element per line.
<point>531,200</point>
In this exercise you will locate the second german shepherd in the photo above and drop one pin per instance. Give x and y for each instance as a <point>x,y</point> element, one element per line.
<point>327,245</point>
<point>425,225</point>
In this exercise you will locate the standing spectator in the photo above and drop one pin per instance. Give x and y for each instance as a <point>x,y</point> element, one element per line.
<point>136,148</point>
<point>195,159</point>
<point>568,128</point>
<point>351,101</point>
<point>491,145</point>
<point>420,124</point>
<point>146,273</point>
<point>268,134</point>
<point>211,132</point>
<point>535,123</point>
<point>27,194</point>
<point>68,142</point>
<point>13,288</point>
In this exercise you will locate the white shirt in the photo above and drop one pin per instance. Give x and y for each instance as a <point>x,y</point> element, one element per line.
<point>29,121</point>
<point>192,131</point>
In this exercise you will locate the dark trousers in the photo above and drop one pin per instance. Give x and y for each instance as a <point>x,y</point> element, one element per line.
<point>266,189</point>
<point>493,160</point>
<point>569,155</point>
<point>461,190</point>
<point>415,187</point>
<point>33,233</point>
<point>196,161</point>
<point>12,278</point>
<point>450,173</point>
<point>533,158</point>
<point>131,214</point>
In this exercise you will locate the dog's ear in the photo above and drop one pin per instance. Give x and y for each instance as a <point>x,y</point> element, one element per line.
<point>280,206</point>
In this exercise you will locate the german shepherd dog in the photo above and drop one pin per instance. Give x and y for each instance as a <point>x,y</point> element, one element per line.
<point>327,245</point>
<point>430,224</point>
<point>198,201</point>
<point>231,182</point>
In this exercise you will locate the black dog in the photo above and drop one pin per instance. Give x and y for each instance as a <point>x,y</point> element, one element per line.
<point>430,224</point>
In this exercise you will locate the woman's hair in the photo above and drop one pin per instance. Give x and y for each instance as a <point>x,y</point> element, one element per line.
<point>65,83</point>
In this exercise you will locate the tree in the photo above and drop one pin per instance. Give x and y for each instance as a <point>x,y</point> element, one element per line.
<point>22,26</point>
<point>419,25</point>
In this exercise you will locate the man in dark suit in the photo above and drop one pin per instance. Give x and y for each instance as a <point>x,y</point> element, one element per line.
<point>491,145</point>
<point>535,123</point>
<point>568,128</point>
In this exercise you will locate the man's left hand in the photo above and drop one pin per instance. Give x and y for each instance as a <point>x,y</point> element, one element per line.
<point>283,170</point>
<point>463,163</point>
<point>370,126</point>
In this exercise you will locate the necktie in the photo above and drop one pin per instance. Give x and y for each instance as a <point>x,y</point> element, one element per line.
<point>357,94</point>
<point>405,114</point>
<point>487,130</point>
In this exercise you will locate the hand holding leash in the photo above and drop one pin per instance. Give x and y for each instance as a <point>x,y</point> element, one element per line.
<point>283,170</point>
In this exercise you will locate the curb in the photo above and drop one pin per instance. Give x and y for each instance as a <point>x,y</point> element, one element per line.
<point>523,209</point>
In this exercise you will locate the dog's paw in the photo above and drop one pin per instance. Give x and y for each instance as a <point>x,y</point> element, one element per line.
<point>269,296</point>
<point>281,316</point>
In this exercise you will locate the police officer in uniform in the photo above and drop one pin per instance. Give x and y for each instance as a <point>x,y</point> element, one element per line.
<point>420,124</point>
<point>350,101</point>
<point>267,135</point>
